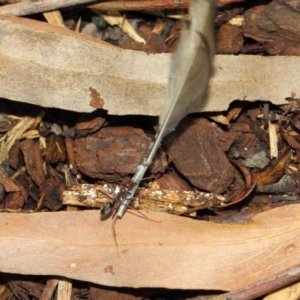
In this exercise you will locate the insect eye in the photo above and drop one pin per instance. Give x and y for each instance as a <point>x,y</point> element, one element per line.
<point>128,184</point>
<point>106,211</point>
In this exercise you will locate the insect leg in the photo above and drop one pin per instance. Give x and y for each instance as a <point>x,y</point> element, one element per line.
<point>114,220</point>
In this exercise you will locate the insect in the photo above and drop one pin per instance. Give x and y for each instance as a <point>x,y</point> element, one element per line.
<point>122,198</point>
<point>108,209</point>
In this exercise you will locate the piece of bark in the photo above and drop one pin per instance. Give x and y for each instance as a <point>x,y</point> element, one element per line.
<point>225,137</point>
<point>276,26</point>
<point>55,150</point>
<point>8,184</point>
<point>25,289</point>
<point>250,139</point>
<point>89,123</point>
<point>195,151</point>
<point>229,39</point>
<point>49,289</point>
<point>171,181</point>
<point>155,44</point>
<point>51,191</point>
<point>16,200</point>
<point>200,255</point>
<point>33,160</point>
<point>65,65</point>
<point>15,156</point>
<point>112,152</point>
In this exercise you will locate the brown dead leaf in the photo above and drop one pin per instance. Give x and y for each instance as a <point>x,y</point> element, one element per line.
<point>272,175</point>
<point>292,141</point>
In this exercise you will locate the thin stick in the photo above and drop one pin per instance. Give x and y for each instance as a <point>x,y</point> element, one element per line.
<point>139,5</point>
<point>38,6</point>
<point>264,286</point>
<point>33,7</point>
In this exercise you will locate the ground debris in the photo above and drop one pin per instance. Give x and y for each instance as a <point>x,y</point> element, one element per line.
<point>217,166</point>
<point>194,149</point>
<point>276,26</point>
<point>171,201</point>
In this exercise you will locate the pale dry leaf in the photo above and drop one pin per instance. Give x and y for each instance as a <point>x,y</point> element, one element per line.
<point>54,17</point>
<point>64,289</point>
<point>273,140</point>
<point>78,24</point>
<point>30,134</point>
<point>237,21</point>
<point>220,119</point>
<point>65,64</point>
<point>8,140</point>
<point>177,252</point>
<point>159,27</point>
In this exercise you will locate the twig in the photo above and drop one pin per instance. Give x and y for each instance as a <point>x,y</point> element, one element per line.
<point>175,202</point>
<point>38,6</point>
<point>140,5</point>
<point>64,288</point>
<point>33,7</point>
<point>10,1</point>
<point>264,286</point>
<point>49,289</point>
<point>22,8</point>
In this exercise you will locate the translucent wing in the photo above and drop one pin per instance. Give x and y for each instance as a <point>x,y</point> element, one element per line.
<point>191,67</point>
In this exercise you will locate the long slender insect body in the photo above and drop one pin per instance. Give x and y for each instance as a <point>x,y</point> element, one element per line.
<point>108,209</point>
<point>123,198</point>
<point>190,70</point>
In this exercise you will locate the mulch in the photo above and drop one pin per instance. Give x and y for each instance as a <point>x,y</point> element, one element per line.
<point>228,153</point>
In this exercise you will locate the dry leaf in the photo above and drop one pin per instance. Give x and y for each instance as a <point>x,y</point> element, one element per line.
<point>54,17</point>
<point>60,71</point>
<point>177,253</point>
